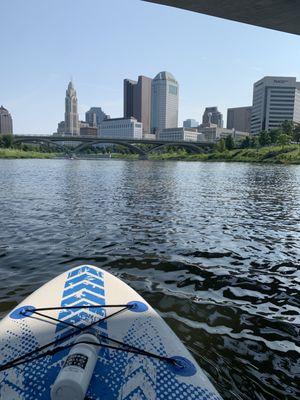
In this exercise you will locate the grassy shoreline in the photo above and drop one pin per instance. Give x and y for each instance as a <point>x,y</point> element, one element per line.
<point>16,153</point>
<point>289,154</point>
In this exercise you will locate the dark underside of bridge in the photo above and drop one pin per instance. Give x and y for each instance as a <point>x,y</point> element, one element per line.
<point>281,15</point>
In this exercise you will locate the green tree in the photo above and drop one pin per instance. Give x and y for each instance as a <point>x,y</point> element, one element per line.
<point>264,138</point>
<point>296,133</point>
<point>7,140</point>
<point>254,141</point>
<point>283,139</point>
<point>287,127</point>
<point>246,143</point>
<point>229,142</point>
<point>221,147</point>
<point>274,134</point>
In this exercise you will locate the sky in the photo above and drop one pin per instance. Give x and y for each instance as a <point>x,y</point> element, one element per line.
<point>98,43</point>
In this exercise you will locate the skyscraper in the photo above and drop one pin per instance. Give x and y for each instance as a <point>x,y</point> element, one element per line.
<point>71,114</point>
<point>137,100</point>
<point>95,116</point>
<point>6,124</point>
<point>128,93</point>
<point>239,118</point>
<point>164,102</point>
<point>275,99</point>
<point>212,116</point>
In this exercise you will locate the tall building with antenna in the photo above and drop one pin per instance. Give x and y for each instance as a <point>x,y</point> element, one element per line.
<point>71,126</point>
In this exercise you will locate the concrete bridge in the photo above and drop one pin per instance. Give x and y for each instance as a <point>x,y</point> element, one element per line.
<point>281,15</point>
<point>72,145</point>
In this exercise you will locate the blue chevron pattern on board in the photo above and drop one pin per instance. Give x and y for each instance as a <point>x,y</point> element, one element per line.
<point>83,286</point>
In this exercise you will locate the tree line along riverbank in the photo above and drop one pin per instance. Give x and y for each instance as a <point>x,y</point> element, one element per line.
<point>289,154</point>
<point>278,146</point>
<point>271,154</point>
<point>17,153</point>
<point>10,150</point>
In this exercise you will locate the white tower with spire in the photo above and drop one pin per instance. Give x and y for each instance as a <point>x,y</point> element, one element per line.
<point>71,113</point>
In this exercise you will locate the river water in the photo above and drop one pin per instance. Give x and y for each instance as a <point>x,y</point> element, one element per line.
<point>213,247</point>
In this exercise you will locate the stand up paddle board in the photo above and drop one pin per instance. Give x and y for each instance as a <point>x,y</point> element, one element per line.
<point>88,335</point>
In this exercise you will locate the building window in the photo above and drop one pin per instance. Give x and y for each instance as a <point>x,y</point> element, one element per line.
<point>173,89</point>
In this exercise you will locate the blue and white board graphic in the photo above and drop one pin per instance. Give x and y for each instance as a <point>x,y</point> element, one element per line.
<point>118,375</point>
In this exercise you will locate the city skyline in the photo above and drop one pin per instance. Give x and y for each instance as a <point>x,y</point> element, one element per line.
<point>275,99</point>
<point>238,118</point>
<point>46,46</point>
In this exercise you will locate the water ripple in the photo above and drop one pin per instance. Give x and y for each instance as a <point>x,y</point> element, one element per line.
<point>213,247</point>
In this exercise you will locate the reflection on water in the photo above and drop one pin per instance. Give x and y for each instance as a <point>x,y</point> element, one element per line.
<point>213,247</point>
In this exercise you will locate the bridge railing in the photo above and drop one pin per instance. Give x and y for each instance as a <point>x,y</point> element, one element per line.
<point>101,139</point>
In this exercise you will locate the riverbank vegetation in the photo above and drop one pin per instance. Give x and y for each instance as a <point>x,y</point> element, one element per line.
<point>289,154</point>
<point>17,153</point>
<point>278,146</point>
<point>10,150</point>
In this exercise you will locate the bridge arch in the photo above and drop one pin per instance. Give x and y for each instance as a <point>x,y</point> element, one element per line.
<point>134,149</point>
<point>33,140</point>
<point>188,145</point>
<point>131,144</point>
